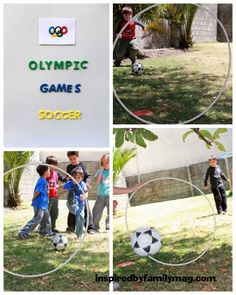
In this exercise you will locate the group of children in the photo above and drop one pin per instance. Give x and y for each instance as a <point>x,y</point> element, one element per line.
<point>45,197</point>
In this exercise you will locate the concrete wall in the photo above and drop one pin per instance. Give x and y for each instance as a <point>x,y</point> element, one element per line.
<point>163,190</point>
<point>204,28</point>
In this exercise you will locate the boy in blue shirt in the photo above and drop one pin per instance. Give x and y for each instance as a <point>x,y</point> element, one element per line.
<point>40,205</point>
<point>76,199</point>
<point>102,201</point>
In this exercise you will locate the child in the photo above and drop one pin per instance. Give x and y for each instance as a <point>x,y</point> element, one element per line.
<point>75,163</point>
<point>40,205</point>
<point>53,191</point>
<point>217,187</point>
<point>102,201</point>
<point>76,199</point>
<point>127,39</point>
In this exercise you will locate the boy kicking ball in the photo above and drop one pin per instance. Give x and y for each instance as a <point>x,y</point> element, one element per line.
<point>127,39</point>
<point>217,187</point>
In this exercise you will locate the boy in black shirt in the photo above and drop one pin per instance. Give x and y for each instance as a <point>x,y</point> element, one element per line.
<point>217,187</point>
<point>75,163</point>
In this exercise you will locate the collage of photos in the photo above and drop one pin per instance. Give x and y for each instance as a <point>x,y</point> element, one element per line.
<point>129,190</point>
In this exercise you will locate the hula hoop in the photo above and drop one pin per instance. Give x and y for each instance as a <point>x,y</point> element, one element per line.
<point>76,250</point>
<point>214,221</point>
<point>222,87</point>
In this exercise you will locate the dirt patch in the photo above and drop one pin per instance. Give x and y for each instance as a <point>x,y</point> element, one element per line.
<point>159,52</point>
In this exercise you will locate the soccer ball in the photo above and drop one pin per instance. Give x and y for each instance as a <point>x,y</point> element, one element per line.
<point>59,242</point>
<point>146,241</point>
<point>137,69</point>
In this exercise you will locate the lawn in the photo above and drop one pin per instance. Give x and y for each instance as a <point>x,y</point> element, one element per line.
<point>36,255</point>
<point>186,226</point>
<point>176,87</point>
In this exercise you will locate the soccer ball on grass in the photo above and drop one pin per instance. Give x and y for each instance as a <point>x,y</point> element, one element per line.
<point>146,241</point>
<point>137,68</point>
<point>59,242</point>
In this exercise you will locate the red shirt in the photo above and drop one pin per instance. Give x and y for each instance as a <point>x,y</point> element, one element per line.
<point>53,184</point>
<point>129,31</point>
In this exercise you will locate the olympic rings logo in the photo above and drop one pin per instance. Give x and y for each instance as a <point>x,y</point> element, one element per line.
<point>57,31</point>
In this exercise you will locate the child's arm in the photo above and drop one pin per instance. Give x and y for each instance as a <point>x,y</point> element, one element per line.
<point>222,175</point>
<point>98,175</point>
<point>126,190</point>
<point>35,195</point>
<point>206,178</point>
<point>139,24</point>
<point>87,176</point>
<point>62,178</point>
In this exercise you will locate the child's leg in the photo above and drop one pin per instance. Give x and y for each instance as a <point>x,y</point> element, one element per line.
<point>218,200</point>
<point>50,204</point>
<point>90,219</point>
<point>223,198</point>
<point>46,227</point>
<point>133,50</point>
<point>70,217</point>
<point>79,223</point>
<point>107,221</point>
<point>120,51</point>
<point>33,223</point>
<point>54,212</point>
<point>97,211</point>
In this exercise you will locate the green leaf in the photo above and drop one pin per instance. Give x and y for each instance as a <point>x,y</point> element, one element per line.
<point>217,133</point>
<point>119,139</point>
<point>140,141</point>
<point>206,134</point>
<point>149,135</point>
<point>186,134</point>
<point>219,146</point>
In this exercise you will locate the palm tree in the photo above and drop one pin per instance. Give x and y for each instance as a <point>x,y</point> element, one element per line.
<point>180,17</point>
<point>120,158</point>
<point>12,180</point>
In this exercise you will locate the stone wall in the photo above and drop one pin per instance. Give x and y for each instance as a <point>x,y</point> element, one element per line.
<point>204,28</point>
<point>163,190</point>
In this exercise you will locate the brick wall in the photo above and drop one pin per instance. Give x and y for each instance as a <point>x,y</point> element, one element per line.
<point>163,190</point>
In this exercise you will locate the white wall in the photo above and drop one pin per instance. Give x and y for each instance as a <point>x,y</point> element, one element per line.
<point>22,96</point>
<point>169,151</point>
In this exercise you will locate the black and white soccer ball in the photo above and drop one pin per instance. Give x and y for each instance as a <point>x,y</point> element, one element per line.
<point>137,68</point>
<point>146,241</point>
<point>59,242</point>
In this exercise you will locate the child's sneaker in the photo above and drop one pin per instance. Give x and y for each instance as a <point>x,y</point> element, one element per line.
<point>22,236</point>
<point>47,235</point>
<point>55,231</point>
<point>91,231</point>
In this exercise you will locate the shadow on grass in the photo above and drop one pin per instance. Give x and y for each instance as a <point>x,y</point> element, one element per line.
<point>173,95</point>
<point>36,255</point>
<point>211,264</point>
<point>77,275</point>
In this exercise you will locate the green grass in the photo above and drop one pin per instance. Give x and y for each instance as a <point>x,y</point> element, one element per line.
<point>176,88</point>
<point>185,226</point>
<point>36,255</point>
